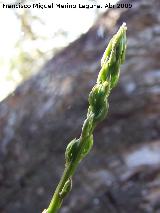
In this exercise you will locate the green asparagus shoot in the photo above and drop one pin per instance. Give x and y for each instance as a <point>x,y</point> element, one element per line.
<point>77,149</point>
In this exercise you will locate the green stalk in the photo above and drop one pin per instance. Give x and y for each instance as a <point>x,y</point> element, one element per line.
<point>77,149</point>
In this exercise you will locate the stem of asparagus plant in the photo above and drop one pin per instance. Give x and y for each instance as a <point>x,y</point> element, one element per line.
<point>77,149</point>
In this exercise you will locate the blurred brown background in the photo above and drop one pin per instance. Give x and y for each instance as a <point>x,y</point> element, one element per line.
<point>122,172</point>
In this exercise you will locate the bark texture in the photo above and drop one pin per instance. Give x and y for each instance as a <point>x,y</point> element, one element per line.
<point>122,172</point>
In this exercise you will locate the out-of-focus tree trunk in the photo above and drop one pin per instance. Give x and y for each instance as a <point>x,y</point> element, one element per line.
<point>121,174</point>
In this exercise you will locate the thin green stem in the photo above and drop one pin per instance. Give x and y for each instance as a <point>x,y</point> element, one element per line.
<point>56,201</point>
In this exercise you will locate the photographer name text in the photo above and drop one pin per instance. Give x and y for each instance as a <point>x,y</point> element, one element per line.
<point>65,6</point>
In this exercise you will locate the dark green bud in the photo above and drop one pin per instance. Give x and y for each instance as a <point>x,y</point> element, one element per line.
<point>66,188</point>
<point>98,101</point>
<point>87,147</point>
<point>88,125</point>
<point>71,151</point>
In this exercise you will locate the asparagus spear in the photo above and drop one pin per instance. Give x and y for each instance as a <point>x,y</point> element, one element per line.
<point>77,149</point>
